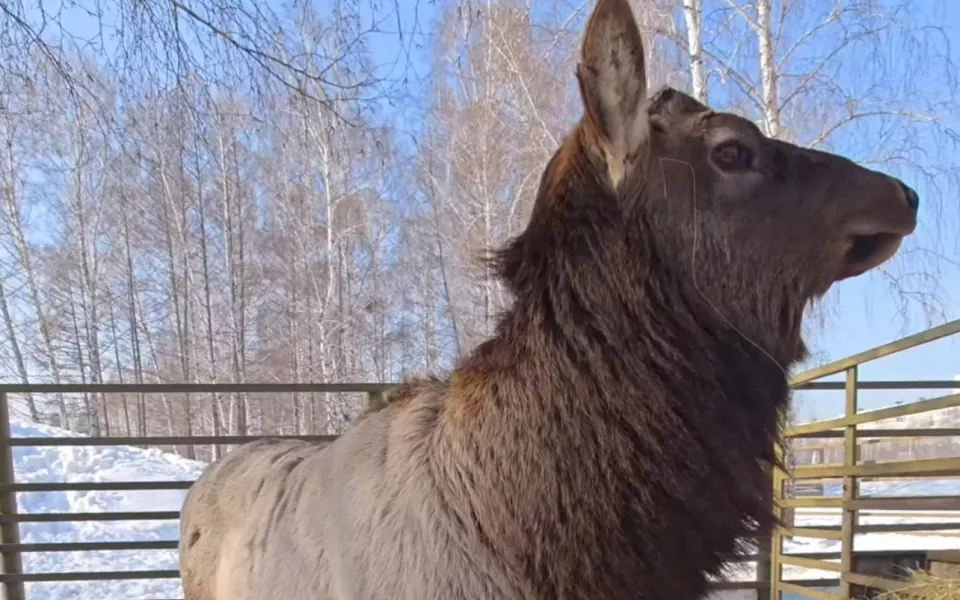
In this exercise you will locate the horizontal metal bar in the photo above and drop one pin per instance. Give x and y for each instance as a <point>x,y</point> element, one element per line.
<point>128,575</point>
<point>131,575</point>
<point>96,486</point>
<point>826,533</point>
<point>860,554</point>
<point>905,343</point>
<point>222,440</point>
<point>865,433</point>
<point>912,514</point>
<point>931,384</point>
<point>36,442</point>
<point>907,527</point>
<point>86,576</point>
<point>191,388</point>
<point>755,585</point>
<point>870,416</point>
<point>809,560</point>
<point>900,503</point>
<point>907,503</point>
<point>945,466</point>
<point>811,502</point>
<point>811,563</point>
<point>809,592</point>
<point>880,583</point>
<point>81,517</point>
<point>89,546</point>
<point>200,388</point>
<point>876,435</point>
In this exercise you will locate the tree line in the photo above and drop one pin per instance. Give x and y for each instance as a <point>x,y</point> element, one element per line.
<point>224,193</point>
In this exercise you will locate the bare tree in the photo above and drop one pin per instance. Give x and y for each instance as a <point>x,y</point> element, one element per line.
<point>693,18</point>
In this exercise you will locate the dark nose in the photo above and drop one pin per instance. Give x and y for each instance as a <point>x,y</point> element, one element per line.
<point>913,200</point>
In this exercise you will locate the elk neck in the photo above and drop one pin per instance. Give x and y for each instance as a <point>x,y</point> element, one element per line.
<point>603,399</point>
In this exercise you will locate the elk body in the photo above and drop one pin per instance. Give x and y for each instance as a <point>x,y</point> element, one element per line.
<point>610,439</point>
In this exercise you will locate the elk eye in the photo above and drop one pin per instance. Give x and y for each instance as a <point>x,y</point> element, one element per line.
<point>733,156</point>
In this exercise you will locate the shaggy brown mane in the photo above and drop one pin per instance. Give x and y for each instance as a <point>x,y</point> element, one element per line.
<point>635,369</point>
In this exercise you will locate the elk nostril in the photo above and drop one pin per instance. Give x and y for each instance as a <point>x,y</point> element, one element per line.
<point>913,200</point>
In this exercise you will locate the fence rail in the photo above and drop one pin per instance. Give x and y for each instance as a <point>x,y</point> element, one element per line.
<point>770,581</point>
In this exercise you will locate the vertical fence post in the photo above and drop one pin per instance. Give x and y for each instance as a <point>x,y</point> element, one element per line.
<point>373,401</point>
<point>776,535</point>
<point>9,527</point>
<point>764,542</point>
<point>850,493</point>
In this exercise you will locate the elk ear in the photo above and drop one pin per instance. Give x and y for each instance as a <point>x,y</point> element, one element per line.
<point>613,81</point>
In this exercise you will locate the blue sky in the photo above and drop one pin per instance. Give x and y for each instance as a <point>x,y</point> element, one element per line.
<point>863,314</point>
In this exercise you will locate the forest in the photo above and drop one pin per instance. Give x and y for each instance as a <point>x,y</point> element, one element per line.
<point>231,191</point>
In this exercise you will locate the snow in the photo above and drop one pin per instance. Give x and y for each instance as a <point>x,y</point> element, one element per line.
<point>124,463</point>
<point>99,464</point>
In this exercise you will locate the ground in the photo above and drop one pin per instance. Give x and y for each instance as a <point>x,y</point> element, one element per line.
<point>122,463</point>
<point>102,463</point>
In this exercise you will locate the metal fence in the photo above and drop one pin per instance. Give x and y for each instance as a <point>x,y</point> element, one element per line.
<point>770,577</point>
<point>848,565</point>
<point>13,576</point>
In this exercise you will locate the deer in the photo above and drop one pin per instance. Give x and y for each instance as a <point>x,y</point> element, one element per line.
<point>612,437</point>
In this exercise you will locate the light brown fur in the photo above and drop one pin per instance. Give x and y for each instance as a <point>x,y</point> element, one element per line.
<point>610,439</point>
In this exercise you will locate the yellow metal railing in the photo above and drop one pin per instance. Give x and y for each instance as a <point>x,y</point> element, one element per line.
<point>852,471</point>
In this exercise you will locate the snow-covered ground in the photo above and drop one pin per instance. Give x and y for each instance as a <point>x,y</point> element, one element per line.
<point>122,463</point>
<point>95,464</point>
